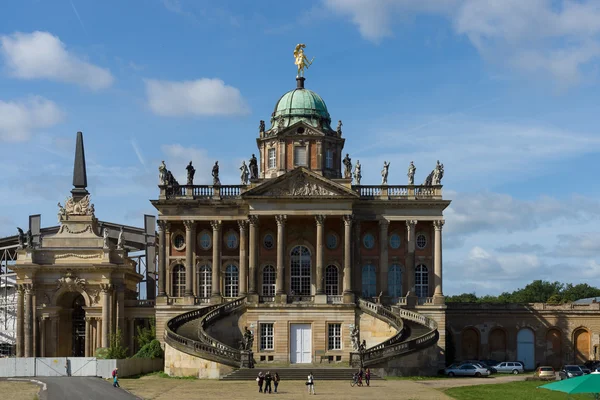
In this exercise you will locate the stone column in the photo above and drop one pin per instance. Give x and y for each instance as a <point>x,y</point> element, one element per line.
<point>189,261</point>
<point>28,323</point>
<point>243,224</point>
<point>253,261</point>
<point>43,336</point>
<point>120,308</point>
<point>320,297</point>
<point>357,267</point>
<point>131,335</point>
<point>383,257</point>
<point>163,227</point>
<point>20,321</point>
<point>279,284</point>
<point>411,300</point>
<point>88,338</point>
<point>98,333</point>
<point>54,334</point>
<point>437,258</point>
<point>216,263</point>
<point>348,295</point>
<point>106,303</point>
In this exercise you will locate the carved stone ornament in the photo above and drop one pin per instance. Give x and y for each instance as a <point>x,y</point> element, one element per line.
<point>81,207</point>
<point>299,186</point>
<point>71,282</point>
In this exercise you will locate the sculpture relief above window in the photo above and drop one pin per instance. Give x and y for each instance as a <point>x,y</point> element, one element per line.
<point>268,241</point>
<point>272,157</point>
<point>332,240</point>
<point>395,240</point>
<point>178,240</point>
<point>205,240</point>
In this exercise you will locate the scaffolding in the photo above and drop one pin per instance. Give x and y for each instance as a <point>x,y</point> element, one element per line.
<point>141,246</point>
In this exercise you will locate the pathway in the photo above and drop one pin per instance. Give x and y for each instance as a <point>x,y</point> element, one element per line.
<point>82,388</point>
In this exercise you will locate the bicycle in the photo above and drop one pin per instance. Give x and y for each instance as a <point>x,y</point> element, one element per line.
<point>356,380</point>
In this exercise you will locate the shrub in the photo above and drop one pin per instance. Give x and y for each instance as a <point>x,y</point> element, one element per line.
<point>150,350</point>
<point>146,335</point>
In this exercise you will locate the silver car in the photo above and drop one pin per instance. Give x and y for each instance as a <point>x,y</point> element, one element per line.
<point>510,367</point>
<point>467,370</point>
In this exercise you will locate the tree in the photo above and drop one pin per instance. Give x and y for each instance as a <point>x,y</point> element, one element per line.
<point>146,335</point>
<point>462,298</point>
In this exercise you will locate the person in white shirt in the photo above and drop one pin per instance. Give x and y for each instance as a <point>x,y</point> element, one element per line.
<point>310,383</point>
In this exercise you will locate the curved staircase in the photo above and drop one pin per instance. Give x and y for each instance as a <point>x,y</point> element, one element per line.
<point>187,333</point>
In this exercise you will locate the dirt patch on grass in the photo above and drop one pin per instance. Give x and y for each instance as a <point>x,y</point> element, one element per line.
<point>157,388</point>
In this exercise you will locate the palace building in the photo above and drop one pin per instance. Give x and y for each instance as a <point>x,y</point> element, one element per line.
<point>311,255</point>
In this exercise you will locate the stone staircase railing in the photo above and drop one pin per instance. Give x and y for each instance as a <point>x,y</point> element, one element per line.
<point>205,347</point>
<point>396,345</point>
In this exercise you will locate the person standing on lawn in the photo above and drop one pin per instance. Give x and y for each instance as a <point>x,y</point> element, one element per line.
<point>310,383</point>
<point>276,381</point>
<point>268,382</point>
<point>260,379</point>
<point>368,376</point>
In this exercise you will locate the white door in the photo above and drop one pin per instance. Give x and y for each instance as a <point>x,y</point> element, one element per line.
<point>300,343</point>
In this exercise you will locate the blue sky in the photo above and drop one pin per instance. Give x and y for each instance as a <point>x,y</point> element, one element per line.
<point>503,93</point>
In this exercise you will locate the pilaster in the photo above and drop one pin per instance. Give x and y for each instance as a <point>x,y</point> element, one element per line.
<point>279,290</point>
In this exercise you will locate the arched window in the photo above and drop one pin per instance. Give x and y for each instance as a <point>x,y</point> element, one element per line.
<point>369,280</point>
<point>395,281</point>
<point>331,281</point>
<point>421,281</point>
<point>232,281</point>
<point>204,280</point>
<point>268,281</point>
<point>178,281</point>
<point>300,271</point>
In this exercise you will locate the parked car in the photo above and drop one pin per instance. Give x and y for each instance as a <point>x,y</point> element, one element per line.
<point>585,369</point>
<point>509,367</point>
<point>570,371</point>
<point>489,364</point>
<point>544,372</point>
<point>467,370</point>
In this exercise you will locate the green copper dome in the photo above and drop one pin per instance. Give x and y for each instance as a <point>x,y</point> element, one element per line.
<point>301,104</point>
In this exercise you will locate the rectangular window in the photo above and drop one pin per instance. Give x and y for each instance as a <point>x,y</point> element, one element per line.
<point>300,156</point>
<point>266,337</point>
<point>329,159</point>
<point>272,158</point>
<point>335,337</point>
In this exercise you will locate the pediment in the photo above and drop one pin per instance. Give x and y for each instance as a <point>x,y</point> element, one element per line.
<point>301,183</point>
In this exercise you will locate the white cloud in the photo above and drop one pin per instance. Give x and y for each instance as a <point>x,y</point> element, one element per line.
<point>202,97</point>
<point>554,38</point>
<point>19,119</point>
<point>41,55</point>
<point>584,244</point>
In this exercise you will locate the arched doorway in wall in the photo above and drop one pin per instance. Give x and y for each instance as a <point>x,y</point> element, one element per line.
<point>470,344</point>
<point>78,327</point>
<point>581,343</point>
<point>553,348</point>
<point>526,348</point>
<point>497,342</point>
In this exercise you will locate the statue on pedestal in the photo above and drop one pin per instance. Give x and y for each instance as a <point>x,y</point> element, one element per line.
<point>248,339</point>
<point>357,173</point>
<point>354,338</point>
<point>384,173</point>
<point>120,240</point>
<point>411,173</point>
<point>191,171</point>
<point>300,59</point>
<point>347,166</point>
<point>245,174</point>
<point>62,213</point>
<point>162,174</point>
<point>105,237</point>
<point>21,238</point>
<point>215,174</point>
<point>253,168</point>
<point>30,244</point>
<point>438,174</point>
<point>339,128</point>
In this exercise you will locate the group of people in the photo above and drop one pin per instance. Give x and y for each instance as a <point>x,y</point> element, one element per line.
<point>266,379</point>
<point>366,374</point>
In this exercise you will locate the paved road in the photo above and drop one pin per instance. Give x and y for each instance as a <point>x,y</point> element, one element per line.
<point>83,388</point>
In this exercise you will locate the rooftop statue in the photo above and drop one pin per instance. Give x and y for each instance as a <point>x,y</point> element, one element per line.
<point>21,238</point>
<point>105,237</point>
<point>300,59</point>
<point>347,167</point>
<point>357,173</point>
<point>191,171</point>
<point>120,240</point>
<point>411,173</point>
<point>245,174</point>
<point>261,126</point>
<point>215,174</point>
<point>162,174</point>
<point>253,167</point>
<point>29,239</point>
<point>384,173</point>
<point>339,128</point>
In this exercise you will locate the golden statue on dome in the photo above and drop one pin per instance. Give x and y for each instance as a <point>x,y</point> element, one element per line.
<point>300,59</point>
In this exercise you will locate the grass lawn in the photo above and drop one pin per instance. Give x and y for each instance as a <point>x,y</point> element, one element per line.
<point>19,390</point>
<point>513,391</point>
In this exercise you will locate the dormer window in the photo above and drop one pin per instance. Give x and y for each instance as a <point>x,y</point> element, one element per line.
<point>329,159</point>
<point>272,158</point>
<point>300,156</point>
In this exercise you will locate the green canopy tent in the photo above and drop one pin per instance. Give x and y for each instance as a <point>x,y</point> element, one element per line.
<point>581,384</point>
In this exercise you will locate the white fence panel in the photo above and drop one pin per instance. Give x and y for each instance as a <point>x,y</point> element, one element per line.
<point>8,367</point>
<point>49,366</point>
<point>82,366</point>
<point>104,368</point>
<point>25,366</point>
